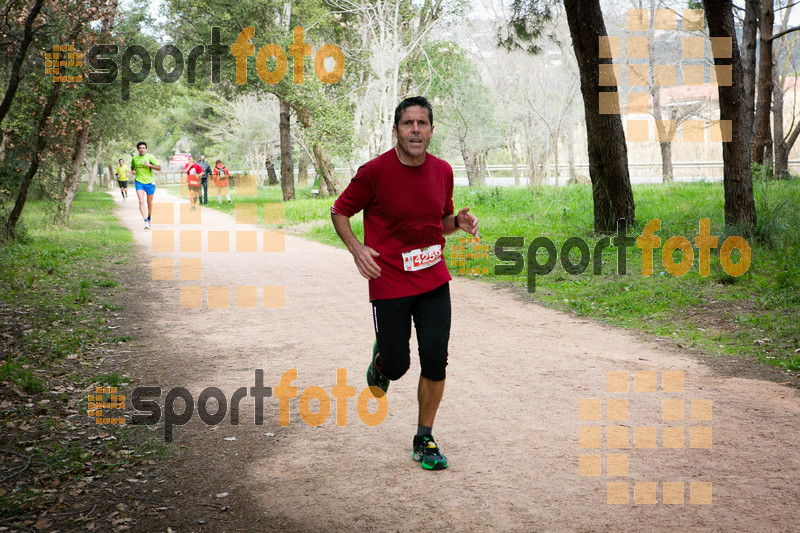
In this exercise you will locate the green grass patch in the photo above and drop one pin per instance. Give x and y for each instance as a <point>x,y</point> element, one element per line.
<point>58,288</point>
<point>57,274</point>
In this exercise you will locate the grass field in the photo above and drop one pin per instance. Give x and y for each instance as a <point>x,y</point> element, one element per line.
<point>755,315</point>
<point>58,288</point>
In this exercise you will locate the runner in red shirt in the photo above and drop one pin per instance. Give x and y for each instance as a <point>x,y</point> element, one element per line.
<point>407,198</point>
<point>193,171</point>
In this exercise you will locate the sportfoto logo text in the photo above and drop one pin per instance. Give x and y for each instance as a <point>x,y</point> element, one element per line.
<point>506,249</point>
<point>106,69</point>
<point>148,410</point>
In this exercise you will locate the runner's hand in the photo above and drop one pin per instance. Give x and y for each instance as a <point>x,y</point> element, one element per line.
<point>367,267</point>
<point>467,221</point>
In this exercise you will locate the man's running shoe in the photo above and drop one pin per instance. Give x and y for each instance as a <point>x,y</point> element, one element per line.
<point>374,377</point>
<point>427,453</point>
<point>146,224</point>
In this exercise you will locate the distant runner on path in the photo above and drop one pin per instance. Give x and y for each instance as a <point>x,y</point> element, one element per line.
<point>122,179</point>
<point>142,166</point>
<point>221,183</point>
<point>407,198</point>
<point>193,172</point>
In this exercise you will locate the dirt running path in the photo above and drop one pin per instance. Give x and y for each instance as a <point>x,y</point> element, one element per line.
<point>508,423</point>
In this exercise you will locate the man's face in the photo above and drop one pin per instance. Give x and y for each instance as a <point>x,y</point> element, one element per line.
<point>202,158</point>
<point>191,160</point>
<point>142,149</point>
<point>413,132</point>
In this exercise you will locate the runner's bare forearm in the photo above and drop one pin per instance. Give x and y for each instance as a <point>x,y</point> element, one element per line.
<point>364,256</point>
<point>449,225</point>
<point>343,229</point>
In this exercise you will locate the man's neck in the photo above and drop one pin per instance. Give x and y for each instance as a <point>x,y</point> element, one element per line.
<point>410,162</point>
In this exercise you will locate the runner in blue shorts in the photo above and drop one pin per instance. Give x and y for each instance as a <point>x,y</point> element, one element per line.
<point>142,166</point>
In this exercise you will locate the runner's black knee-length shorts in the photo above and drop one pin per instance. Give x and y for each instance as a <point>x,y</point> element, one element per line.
<point>392,320</point>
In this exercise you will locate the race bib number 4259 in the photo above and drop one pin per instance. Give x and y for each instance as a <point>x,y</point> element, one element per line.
<point>422,258</point>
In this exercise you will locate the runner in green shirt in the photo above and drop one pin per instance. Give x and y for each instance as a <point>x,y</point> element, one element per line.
<point>142,166</point>
<point>122,179</point>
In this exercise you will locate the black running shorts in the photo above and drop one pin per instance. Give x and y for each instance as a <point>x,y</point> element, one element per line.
<point>392,321</point>
<point>123,184</point>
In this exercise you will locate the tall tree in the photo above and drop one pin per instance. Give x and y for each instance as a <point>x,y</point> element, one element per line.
<point>740,209</point>
<point>313,102</point>
<point>465,108</point>
<point>19,57</point>
<point>391,33</point>
<point>761,118</point>
<point>287,165</point>
<point>780,67</point>
<point>85,101</point>
<point>608,154</point>
<point>663,135</point>
<point>38,147</point>
<point>71,179</point>
<point>748,59</point>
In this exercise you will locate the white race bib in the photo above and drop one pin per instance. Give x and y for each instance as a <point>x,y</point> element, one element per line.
<point>422,258</point>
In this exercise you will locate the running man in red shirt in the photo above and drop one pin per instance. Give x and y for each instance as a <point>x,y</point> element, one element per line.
<point>193,172</point>
<point>407,198</point>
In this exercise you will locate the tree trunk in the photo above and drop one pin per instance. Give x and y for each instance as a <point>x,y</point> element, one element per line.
<point>19,59</point>
<point>39,145</point>
<point>287,165</point>
<point>302,171</point>
<point>326,168</point>
<point>749,40</point>
<point>662,129</point>
<point>608,153</point>
<point>780,145</point>
<point>71,181</point>
<point>768,151</point>
<point>532,170</point>
<point>667,175</point>
<point>93,170</point>
<point>781,152</point>
<point>530,158</point>
<point>513,151</point>
<point>780,148</point>
<point>571,154</point>
<point>272,177</point>
<point>761,120</point>
<point>790,140</point>
<point>111,178</point>
<point>543,167</point>
<point>740,212</point>
<point>470,158</point>
<point>482,171</point>
<point>555,158</point>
